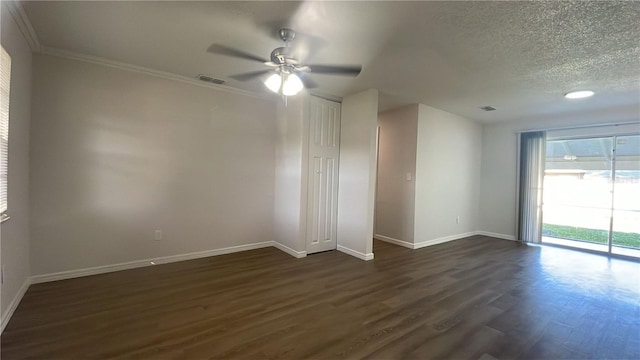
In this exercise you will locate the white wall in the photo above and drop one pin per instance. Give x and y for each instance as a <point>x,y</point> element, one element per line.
<point>357,179</point>
<point>14,233</point>
<point>499,147</point>
<point>498,180</point>
<point>447,175</point>
<point>395,195</point>
<point>117,154</point>
<point>290,175</point>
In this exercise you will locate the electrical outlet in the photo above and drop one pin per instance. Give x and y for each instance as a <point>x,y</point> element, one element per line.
<point>457,219</point>
<point>158,235</point>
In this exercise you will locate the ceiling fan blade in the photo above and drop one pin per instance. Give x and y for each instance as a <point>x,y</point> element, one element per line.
<point>349,70</point>
<point>307,81</point>
<point>249,75</point>
<point>304,45</point>
<point>229,51</point>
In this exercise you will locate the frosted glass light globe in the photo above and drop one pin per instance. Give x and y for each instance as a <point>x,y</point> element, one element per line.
<point>273,82</point>
<point>292,85</point>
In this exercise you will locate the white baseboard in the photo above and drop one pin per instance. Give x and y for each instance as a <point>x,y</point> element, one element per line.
<point>290,251</point>
<point>70,274</point>
<point>357,254</point>
<point>228,250</point>
<point>496,235</point>
<point>146,262</point>
<point>14,304</point>
<point>394,241</point>
<point>444,239</point>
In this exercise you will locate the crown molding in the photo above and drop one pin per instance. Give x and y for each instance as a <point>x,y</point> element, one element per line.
<point>144,70</point>
<point>21,18</point>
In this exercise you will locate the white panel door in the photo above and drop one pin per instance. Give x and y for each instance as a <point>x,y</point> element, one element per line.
<point>324,152</point>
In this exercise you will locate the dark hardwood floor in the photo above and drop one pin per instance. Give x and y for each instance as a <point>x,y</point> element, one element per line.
<point>471,298</point>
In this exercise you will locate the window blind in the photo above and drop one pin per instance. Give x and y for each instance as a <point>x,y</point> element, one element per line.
<point>5,85</point>
<point>532,162</point>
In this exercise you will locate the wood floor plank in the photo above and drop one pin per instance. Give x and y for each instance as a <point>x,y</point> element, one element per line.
<point>466,299</point>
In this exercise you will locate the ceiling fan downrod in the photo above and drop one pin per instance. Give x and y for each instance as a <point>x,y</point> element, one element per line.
<point>287,35</point>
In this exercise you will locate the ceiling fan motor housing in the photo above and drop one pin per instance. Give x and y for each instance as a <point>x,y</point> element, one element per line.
<point>283,56</point>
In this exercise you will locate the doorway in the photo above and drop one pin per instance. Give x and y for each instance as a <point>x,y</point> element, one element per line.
<point>591,197</point>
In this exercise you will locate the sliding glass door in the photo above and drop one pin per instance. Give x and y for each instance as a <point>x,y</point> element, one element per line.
<point>591,196</point>
<point>625,239</point>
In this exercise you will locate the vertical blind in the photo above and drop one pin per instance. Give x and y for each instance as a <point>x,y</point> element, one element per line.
<point>532,163</point>
<point>5,82</point>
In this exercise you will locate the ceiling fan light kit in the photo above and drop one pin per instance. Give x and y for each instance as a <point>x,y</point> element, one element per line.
<point>291,85</point>
<point>286,79</point>
<point>287,85</point>
<point>274,83</point>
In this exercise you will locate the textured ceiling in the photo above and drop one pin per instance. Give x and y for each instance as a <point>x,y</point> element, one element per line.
<point>520,57</point>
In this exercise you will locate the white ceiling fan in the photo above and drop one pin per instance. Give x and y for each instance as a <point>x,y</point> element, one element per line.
<point>289,75</point>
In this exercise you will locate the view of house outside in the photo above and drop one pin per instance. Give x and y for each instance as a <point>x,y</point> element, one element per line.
<point>583,203</point>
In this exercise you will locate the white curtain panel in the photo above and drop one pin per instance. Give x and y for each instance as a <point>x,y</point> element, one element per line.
<point>532,160</point>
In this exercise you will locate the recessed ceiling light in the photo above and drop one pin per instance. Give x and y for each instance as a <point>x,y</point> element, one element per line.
<point>578,94</point>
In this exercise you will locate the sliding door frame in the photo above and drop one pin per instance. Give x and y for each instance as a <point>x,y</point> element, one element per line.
<point>613,189</point>
<point>614,138</point>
